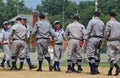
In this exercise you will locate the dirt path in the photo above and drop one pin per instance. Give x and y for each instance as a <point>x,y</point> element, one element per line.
<point>26,73</point>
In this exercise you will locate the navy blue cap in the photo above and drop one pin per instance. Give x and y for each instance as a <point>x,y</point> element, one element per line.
<point>5,22</point>
<point>24,18</point>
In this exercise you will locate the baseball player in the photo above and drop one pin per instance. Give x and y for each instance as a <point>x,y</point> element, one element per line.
<point>4,35</point>
<point>112,34</point>
<point>75,33</point>
<point>43,29</point>
<point>18,36</point>
<point>58,40</point>
<point>93,36</point>
<point>24,22</point>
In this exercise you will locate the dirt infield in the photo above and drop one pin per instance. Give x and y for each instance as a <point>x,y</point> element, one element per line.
<point>26,73</point>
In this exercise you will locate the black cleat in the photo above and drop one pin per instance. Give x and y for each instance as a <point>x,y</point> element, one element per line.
<point>59,70</point>
<point>32,67</point>
<point>13,68</point>
<point>73,70</point>
<point>79,71</point>
<point>69,71</point>
<point>97,71</point>
<point>50,67</point>
<point>1,65</point>
<point>109,73</point>
<point>55,69</point>
<point>39,69</point>
<point>117,72</point>
<point>93,72</point>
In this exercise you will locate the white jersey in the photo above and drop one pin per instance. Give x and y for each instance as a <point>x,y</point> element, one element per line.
<point>4,35</point>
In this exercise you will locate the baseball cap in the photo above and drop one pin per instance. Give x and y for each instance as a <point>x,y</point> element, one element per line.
<point>5,22</point>
<point>57,21</point>
<point>24,18</point>
<point>76,17</point>
<point>113,14</point>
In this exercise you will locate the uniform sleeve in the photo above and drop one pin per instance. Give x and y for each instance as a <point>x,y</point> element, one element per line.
<point>34,30</point>
<point>88,30</point>
<point>51,31</point>
<point>107,31</point>
<point>1,35</point>
<point>63,34</point>
<point>67,31</point>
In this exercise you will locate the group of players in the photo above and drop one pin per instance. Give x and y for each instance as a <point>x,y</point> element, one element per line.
<point>50,42</point>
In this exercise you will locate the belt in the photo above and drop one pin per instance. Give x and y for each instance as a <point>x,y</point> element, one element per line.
<point>74,38</point>
<point>96,36</point>
<point>58,43</point>
<point>5,43</point>
<point>41,38</point>
<point>18,39</point>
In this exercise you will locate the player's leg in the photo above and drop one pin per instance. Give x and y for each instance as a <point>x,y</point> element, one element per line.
<point>40,56</point>
<point>69,55</point>
<point>31,66</point>
<point>78,56</point>
<point>46,54</point>
<point>3,61</point>
<point>112,54</point>
<point>110,69</point>
<point>7,55</point>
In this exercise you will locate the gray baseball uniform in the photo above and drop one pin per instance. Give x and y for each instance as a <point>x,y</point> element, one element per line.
<point>59,37</point>
<point>42,30</point>
<point>94,34</point>
<point>4,35</point>
<point>75,32</point>
<point>112,34</point>
<point>18,36</point>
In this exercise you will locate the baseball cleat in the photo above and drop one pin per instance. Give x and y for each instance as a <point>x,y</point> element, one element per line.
<point>32,67</point>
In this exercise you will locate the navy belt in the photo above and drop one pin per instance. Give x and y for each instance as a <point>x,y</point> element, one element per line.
<point>41,38</point>
<point>58,43</point>
<point>96,36</point>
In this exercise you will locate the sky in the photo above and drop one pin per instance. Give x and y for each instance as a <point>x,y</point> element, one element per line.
<point>33,3</point>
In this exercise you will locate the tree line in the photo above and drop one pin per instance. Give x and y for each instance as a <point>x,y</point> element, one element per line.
<point>60,9</point>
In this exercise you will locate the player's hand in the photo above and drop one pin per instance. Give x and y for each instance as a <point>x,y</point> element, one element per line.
<point>1,42</point>
<point>65,44</point>
<point>85,43</point>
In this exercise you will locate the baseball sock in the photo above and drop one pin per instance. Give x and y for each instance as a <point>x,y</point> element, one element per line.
<point>92,62</point>
<point>13,61</point>
<point>69,64</point>
<point>97,63</point>
<point>115,64</point>
<point>54,64</point>
<point>73,65</point>
<point>79,64</point>
<point>29,61</point>
<point>3,61</point>
<point>58,64</point>
<point>90,66</point>
<point>8,63</point>
<point>21,63</point>
<point>48,59</point>
<point>40,64</point>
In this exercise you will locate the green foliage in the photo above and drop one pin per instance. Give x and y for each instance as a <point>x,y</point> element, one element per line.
<point>85,9</point>
<point>11,8</point>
